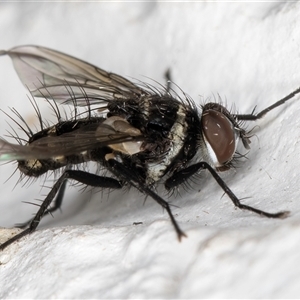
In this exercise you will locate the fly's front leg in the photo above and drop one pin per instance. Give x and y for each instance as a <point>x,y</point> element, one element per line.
<point>183,175</point>
<point>180,177</point>
<point>80,176</point>
<point>253,117</point>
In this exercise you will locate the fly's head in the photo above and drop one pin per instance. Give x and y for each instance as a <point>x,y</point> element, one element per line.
<point>221,133</point>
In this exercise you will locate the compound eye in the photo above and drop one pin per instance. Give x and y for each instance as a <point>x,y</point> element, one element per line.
<point>219,133</point>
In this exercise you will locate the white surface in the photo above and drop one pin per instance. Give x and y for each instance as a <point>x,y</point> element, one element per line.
<point>248,53</point>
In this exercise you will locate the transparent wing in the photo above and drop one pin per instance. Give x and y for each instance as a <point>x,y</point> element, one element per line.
<point>114,132</point>
<point>49,73</point>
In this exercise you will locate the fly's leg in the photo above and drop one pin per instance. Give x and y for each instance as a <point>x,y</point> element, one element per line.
<point>35,221</point>
<point>134,180</point>
<point>183,175</point>
<point>168,80</point>
<point>253,117</point>
<point>80,176</point>
<point>57,204</point>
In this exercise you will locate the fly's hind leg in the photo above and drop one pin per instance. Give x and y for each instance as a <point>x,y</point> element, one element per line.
<point>59,186</point>
<point>57,204</point>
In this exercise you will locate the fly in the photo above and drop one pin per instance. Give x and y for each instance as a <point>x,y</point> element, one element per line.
<point>141,135</point>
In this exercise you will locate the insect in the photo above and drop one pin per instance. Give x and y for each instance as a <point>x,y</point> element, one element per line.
<point>141,135</point>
